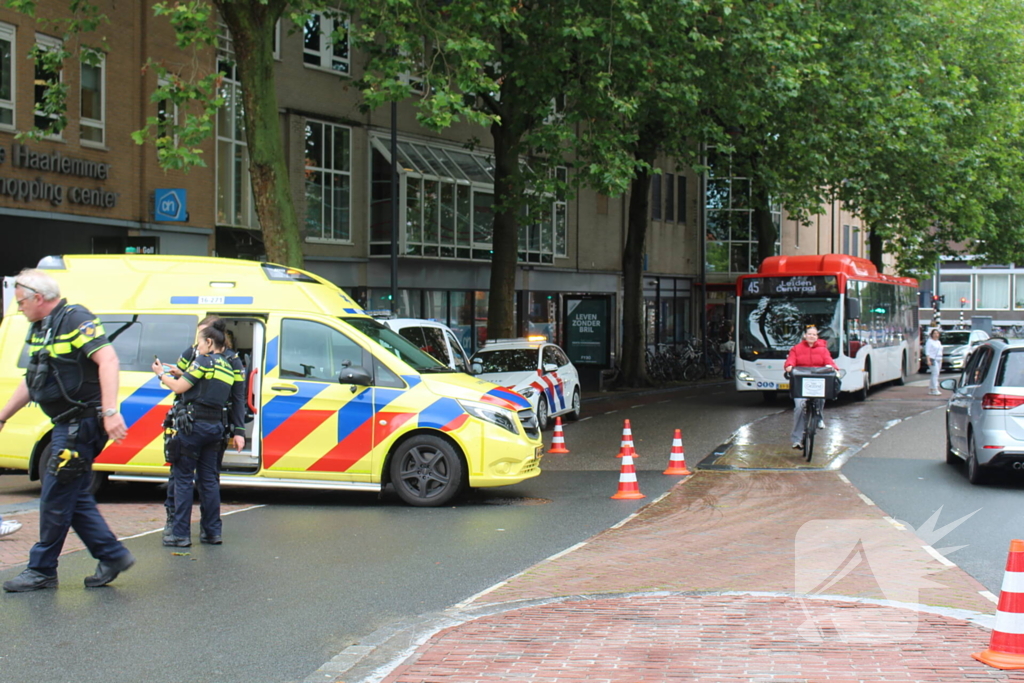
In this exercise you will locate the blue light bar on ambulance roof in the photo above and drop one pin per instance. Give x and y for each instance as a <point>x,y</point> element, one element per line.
<point>280,273</point>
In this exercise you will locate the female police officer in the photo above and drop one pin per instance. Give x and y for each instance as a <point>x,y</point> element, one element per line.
<point>193,451</point>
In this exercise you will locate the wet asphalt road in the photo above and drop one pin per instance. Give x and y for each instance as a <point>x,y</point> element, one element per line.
<point>311,573</point>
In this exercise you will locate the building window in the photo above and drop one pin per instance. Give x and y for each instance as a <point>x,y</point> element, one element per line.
<point>561,209</point>
<point>328,182</point>
<point>1018,292</point>
<point>7,76</point>
<point>166,116</point>
<point>325,42</point>
<point>655,196</point>
<point>957,290</point>
<point>235,206</point>
<point>670,197</point>
<point>681,198</point>
<point>731,242</point>
<point>993,292</point>
<point>43,77</point>
<point>93,87</point>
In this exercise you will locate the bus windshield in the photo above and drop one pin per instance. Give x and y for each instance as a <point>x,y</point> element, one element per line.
<point>771,325</point>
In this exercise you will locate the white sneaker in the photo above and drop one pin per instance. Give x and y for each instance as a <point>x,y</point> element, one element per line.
<point>935,393</point>
<point>9,527</point>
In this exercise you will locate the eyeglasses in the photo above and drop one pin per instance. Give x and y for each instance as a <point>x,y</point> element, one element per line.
<point>26,298</point>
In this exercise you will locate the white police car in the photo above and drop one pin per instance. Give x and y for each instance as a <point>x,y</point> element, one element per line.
<point>537,370</point>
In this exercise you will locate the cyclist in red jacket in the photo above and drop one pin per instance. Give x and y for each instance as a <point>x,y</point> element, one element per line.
<point>809,353</point>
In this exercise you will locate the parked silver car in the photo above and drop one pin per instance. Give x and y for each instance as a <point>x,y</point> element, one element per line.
<point>985,414</point>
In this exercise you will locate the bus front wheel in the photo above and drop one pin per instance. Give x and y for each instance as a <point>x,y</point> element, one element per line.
<point>862,393</point>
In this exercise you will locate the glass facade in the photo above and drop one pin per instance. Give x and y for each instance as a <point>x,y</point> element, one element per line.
<point>728,228</point>
<point>446,206</point>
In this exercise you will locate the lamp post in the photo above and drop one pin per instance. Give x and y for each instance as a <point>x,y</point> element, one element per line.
<point>394,207</point>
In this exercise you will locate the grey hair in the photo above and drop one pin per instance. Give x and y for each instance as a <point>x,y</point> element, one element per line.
<point>38,281</point>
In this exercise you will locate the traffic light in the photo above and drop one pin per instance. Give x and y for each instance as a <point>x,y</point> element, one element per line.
<point>963,302</point>
<point>936,300</point>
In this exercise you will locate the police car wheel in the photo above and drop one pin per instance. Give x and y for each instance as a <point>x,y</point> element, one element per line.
<point>542,414</point>
<point>577,405</point>
<point>426,471</point>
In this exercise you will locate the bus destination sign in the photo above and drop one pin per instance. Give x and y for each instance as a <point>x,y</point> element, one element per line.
<point>797,285</point>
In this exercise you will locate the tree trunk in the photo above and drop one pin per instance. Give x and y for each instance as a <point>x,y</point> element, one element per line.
<point>767,233</point>
<point>634,359</point>
<point>252,32</point>
<point>505,238</point>
<point>875,245</point>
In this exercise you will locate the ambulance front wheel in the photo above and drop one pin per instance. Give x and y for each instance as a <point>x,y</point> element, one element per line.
<point>426,471</point>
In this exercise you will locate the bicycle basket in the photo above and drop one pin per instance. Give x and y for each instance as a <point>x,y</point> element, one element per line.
<point>814,383</point>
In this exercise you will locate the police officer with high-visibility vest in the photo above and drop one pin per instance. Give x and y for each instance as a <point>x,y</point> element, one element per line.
<point>235,417</point>
<point>73,376</point>
<point>194,449</point>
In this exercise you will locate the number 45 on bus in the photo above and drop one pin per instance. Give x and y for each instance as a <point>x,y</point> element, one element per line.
<point>868,320</point>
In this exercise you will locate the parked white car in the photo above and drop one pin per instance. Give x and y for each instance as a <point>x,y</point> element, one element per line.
<point>537,370</point>
<point>434,338</point>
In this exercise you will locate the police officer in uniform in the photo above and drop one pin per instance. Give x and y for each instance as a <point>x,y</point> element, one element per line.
<point>73,376</point>
<point>235,410</point>
<point>199,435</point>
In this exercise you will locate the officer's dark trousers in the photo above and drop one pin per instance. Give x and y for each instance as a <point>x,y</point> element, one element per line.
<point>70,505</point>
<point>198,461</point>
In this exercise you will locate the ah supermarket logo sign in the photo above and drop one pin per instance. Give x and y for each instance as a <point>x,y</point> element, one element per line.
<point>170,205</point>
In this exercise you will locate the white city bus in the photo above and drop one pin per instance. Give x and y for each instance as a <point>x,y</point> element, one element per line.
<point>868,319</point>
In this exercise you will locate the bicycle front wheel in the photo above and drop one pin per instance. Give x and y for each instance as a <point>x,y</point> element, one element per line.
<point>810,429</point>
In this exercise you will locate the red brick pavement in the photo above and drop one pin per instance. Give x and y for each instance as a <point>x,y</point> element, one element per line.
<point>699,638</point>
<point>718,532</point>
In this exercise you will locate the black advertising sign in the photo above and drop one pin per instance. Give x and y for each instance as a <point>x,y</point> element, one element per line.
<point>586,330</point>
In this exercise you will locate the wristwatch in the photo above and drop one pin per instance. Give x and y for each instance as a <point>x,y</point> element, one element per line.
<point>109,412</point>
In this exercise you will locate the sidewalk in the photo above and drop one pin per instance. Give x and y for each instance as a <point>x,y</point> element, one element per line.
<point>735,575</point>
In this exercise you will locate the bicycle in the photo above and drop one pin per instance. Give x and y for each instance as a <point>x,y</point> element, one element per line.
<point>816,385</point>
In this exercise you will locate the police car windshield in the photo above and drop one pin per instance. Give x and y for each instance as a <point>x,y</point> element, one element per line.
<point>408,352</point>
<point>507,360</point>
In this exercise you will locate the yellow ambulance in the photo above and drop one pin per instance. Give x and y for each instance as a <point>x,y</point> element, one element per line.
<point>398,415</point>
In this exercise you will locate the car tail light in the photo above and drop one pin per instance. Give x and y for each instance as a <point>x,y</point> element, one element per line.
<point>1001,402</point>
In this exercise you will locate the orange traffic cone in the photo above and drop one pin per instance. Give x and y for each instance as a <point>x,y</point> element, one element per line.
<point>1006,648</point>
<point>676,458</point>
<point>558,440</point>
<point>626,446</point>
<point>629,489</point>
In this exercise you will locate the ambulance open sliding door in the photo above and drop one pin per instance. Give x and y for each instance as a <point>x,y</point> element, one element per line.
<point>313,426</point>
<point>249,336</point>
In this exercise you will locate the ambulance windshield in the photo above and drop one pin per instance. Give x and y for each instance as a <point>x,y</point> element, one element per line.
<point>406,351</point>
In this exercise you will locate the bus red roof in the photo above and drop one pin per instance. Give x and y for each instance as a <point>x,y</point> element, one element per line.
<point>825,264</point>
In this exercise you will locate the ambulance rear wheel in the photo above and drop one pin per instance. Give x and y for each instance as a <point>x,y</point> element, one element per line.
<point>426,471</point>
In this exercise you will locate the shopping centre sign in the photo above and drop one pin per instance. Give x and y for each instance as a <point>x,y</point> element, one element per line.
<point>28,189</point>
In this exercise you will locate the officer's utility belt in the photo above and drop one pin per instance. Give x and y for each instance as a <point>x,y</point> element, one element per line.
<point>76,413</point>
<point>203,413</point>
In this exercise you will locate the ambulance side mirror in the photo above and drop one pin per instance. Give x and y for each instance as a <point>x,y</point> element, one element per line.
<point>476,368</point>
<point>355,375</point>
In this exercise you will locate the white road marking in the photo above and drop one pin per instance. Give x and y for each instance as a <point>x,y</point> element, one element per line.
<point>866,499</point>
<point>937,555</point>
<point>988,596</point>
<point>161,530</point>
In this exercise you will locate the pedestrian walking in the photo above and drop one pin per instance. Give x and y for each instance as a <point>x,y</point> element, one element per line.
<point>728,349</point>
<point>933,354</point>
<point>236,407</point>
<point>73,376</point>
<point>199,424</point>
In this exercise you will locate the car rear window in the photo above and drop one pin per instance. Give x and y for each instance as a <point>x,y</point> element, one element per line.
<point>1011,369</point>
<point>507,360</point>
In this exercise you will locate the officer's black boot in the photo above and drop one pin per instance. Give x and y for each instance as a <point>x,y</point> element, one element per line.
<point>169,524</point>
